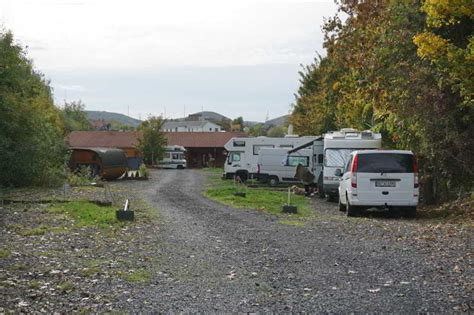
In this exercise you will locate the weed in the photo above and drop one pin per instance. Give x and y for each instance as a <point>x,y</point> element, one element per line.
<point>140,275</point>
<point>292,222</point>
<point>18,267</point>
<point>34,284</point>
<point>5,253</point>
<point>65,287</point>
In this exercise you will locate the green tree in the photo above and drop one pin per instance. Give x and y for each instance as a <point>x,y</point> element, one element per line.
<point>258,130</point>
<point>152,141</point>
<point>276,131</point>
<point>237,124</point>
<point>74,117</point>
<point>32,149</point>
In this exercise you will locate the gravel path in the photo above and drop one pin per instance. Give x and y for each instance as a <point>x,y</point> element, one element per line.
<point>215,258</point>
<point>199,255</point>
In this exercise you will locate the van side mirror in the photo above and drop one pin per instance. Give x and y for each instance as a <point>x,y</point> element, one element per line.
<point>338,172</point>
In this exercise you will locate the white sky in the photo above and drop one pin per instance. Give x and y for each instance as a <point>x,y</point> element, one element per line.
<point>239,58</point>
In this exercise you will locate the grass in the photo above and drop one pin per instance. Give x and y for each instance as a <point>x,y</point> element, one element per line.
<point>265,199</point>
<point>65,287</point>
<point>5,253</point>
<point>140,275</point>
<point>87,214</point>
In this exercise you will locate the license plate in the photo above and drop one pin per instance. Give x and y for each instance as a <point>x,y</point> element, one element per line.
<point>385,183</point>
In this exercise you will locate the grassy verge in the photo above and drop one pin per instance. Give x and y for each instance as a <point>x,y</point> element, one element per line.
<point>87,214</point>
<point>264,199</point>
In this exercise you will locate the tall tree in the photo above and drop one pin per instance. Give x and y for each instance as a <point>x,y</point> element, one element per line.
<point>32,149</point>
<point>74,116</point>
<point>152,141</point>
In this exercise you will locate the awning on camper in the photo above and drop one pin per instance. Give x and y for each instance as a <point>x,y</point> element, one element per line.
<point>303,146</point>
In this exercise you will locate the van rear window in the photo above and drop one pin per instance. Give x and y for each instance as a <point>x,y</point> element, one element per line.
<point>385,163</point>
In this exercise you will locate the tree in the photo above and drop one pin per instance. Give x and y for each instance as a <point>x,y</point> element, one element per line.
<point>237,124</point>
<point>258,130</point>
<point>74,117</point>
<point>32,148</point>
<point>276,131</point>
<point>152,141</point>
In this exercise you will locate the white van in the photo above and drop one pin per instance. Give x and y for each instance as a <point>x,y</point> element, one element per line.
<point>379,178</point>
<point>276,166</point>
<point>174,157</point>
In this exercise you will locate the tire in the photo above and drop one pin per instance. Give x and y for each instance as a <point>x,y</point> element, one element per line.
<point>351,211</point>
<point>409,212</point>
<point>180,167</point>
<point>342,207</point>
<point>273,180</point>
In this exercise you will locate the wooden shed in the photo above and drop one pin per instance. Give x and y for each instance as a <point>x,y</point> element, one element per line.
<point>107,163</point>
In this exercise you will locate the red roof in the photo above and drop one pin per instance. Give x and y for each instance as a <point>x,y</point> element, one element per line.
<point>201,139</point>
<point>129,139</point>
<point>104,139</point>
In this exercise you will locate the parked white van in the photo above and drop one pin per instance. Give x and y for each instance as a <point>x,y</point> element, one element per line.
<point>379,178</point>
<point>174,157</point>
<point>277,166</point>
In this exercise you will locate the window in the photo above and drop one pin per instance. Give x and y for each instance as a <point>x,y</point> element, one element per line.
<point>210,129</point>
<point>385,163</point>
<point>286,146</point>
<point>337,157</point>
<point>348,165</point>
<point>257,147</point>
<point>216,129</point>
<point>234,157</point>
<point>295,160</point>
<point>175,156</point>
<point>239,143</point>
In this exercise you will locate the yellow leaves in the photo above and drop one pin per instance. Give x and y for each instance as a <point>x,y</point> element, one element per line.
<point>447,12</point>
<point>430,46</point>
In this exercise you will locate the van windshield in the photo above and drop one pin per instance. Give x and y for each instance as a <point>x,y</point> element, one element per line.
<point>385,163</point>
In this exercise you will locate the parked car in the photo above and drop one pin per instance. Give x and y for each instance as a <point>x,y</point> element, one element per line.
<point>379,178</point>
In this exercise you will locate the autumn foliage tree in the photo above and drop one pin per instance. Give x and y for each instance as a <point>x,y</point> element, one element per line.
<point>152,141</point>
<point>405,69</point>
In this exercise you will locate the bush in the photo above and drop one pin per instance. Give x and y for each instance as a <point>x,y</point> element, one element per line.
<point>143,171</point>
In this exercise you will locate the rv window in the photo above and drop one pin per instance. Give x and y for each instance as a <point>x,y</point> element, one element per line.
<point>234,157</point>
<point>320,158</point>
<point>175,156</point>
<point>295,160</point>
<point>239,143</point>
<point>256,148</point>
<point>337,157</point>
<point>286,146</point>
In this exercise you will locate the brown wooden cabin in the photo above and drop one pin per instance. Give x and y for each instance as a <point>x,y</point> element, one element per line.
<point>107,163</point>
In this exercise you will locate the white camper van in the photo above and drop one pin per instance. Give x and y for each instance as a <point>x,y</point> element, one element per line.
<point>243,153</point>
<point>174,157</point>
<point>277,166</point>
<point>338,145</point>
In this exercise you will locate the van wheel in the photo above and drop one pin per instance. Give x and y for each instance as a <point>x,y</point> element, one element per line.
<point>351,211</point>
<point>273,180</point>
<point>243,176</point>
<point>342,207</point>
<point>409,212</point>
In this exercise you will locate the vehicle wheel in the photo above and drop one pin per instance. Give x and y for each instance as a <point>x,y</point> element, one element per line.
<point>342,207</point>
<point>351,211</point>
<point>332,197</point>
<point>180,167</point>
<point>273,181</point>
<point>409,212</point>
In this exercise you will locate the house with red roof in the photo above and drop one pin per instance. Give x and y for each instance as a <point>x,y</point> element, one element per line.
<point>202,148</point>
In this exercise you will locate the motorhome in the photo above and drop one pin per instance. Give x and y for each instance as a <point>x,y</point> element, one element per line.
<point>174,157</point>
<point>336,147</point>
<point>243,153</point>
<point>277,166</point>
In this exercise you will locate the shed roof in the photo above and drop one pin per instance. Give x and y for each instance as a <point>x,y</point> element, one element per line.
<point>129,139</point>
<point>104,139</point>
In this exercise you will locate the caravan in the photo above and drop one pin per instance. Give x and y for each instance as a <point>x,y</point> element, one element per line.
<point>174,157</point>
<point>243,153</point>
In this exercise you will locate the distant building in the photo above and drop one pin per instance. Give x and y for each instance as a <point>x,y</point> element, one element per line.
<point>191,126</point>
<point>202,148</point>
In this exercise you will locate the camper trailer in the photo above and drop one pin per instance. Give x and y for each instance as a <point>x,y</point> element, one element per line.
<point>174,157</point>
<point>243,153</point>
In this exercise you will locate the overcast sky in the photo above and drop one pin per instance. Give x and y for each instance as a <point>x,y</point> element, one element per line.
<point>238,58</point>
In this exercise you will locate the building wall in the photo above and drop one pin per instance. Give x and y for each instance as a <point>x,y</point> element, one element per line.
<point>205,157</point>
<point>207,127</point>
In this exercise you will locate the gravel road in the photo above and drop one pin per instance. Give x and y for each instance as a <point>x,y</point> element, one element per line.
<point>215,258</point>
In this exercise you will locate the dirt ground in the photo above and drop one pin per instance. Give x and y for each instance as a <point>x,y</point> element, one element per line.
<point>185,253</point>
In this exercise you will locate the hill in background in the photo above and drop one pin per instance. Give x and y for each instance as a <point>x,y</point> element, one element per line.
<point>109,117</point>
